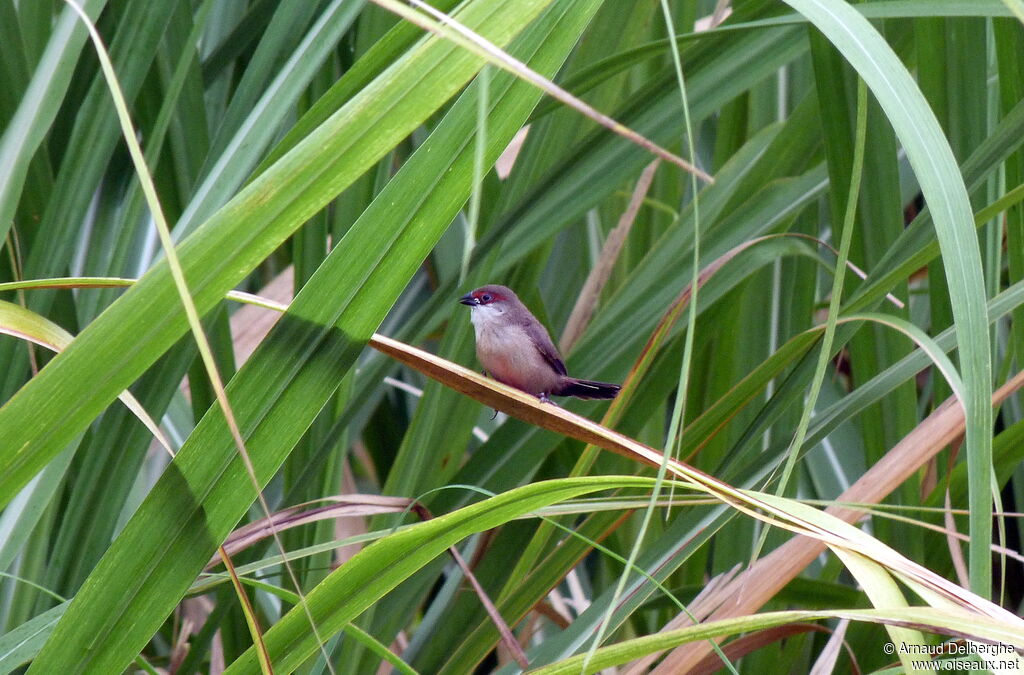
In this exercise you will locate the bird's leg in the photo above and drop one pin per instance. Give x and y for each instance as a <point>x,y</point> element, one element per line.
<point>486,374</point>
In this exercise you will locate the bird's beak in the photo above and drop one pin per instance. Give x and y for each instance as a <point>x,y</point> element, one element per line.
<point>468,299</point>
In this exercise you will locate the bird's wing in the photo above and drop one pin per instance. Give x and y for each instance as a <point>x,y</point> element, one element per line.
<point>545,346</point>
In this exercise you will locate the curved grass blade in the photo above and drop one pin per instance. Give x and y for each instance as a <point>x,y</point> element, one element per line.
<point>23,323</point>
<point>378,568</point>
<point>939,621</point>
<point>450,28</point>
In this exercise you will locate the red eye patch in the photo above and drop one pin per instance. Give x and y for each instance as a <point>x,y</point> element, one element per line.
<point>486,297</point>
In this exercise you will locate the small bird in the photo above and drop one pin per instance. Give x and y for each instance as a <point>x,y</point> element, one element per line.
<point>516,350</point>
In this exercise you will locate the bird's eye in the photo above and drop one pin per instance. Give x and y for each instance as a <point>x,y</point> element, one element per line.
<point>486,297</point>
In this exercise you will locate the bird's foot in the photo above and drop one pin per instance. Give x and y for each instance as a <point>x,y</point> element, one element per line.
<point>545,399</point>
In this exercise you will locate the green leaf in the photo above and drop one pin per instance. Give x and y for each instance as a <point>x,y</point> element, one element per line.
<point>114,350</point>
<point>282,387</point>
<point>38,107</point>
<point>24,642</point>
<point>381,566</point>
<point>943,187</point>
<point>940,621</point>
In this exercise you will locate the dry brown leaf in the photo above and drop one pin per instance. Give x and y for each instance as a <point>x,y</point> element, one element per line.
<point>340,507</point>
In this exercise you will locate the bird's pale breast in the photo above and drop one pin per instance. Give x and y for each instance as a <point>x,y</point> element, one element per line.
<point>510,356</point>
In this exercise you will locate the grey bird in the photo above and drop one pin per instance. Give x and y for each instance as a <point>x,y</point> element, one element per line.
<point>515,349</point>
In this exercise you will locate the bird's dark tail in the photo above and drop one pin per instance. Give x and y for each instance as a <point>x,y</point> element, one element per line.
<point>587,389</point>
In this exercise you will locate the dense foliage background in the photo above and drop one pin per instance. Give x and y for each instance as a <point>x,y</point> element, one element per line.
<point>337,153</point>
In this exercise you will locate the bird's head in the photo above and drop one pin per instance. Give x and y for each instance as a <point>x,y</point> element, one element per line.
<point>497,297</point>
<point>490,302</point>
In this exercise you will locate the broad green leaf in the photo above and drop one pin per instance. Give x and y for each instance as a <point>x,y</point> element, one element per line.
<point>146,320</point>
<point>275,398</point>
